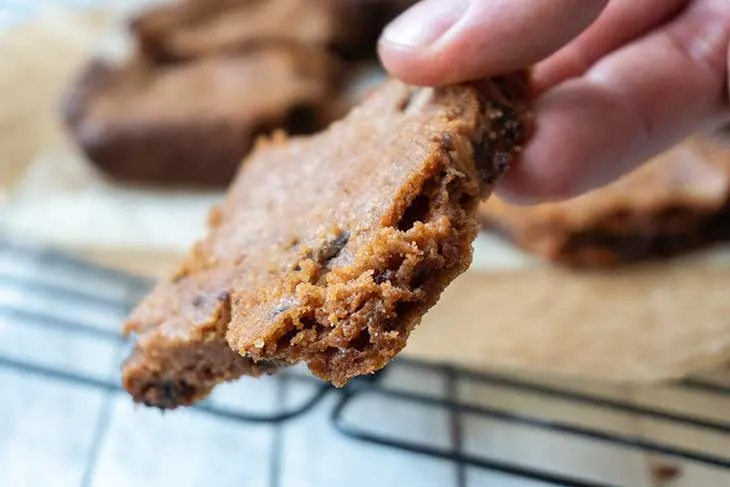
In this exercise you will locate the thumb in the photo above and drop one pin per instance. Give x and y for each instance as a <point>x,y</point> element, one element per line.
<point>446,41</point>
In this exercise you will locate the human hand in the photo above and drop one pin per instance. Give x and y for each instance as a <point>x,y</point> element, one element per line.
<point>616,81</point>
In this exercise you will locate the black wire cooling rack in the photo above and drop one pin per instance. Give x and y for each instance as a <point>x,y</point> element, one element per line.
<point>349,418</point>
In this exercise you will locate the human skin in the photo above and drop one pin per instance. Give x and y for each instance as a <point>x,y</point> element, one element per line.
<point>616,81</point>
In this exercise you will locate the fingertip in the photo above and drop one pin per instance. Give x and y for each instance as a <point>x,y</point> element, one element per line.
<point>407,47</point>
<point>439,41</point>
<point>410,65</point>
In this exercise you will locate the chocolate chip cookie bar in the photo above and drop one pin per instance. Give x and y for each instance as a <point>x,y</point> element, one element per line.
<point>330,248</point>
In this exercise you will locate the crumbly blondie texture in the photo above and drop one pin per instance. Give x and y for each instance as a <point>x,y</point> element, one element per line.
<point>181,352</point>
<point>193,123</point>
<point>678,202</point>
<point>329,249</point>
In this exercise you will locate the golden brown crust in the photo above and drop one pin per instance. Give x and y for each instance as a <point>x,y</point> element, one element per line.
<point>356,289</point>
<point>329,249</point>
<point>192,123</point>
<point>677,202</point>
<point>181,353</point>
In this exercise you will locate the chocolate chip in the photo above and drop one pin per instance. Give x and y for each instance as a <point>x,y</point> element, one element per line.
<point>386,275</point>
<point>332,249</point>
<point>167,394</point>
<point>513,129</point>
<point>341,240</point>
<point>279,309</point>
<point>446,141</point>
<point>482,147</point>
<point>501,161</point>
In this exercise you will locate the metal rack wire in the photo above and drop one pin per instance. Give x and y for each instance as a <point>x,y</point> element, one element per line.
<point>344,416</point>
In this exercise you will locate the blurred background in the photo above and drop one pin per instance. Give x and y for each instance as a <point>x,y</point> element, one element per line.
<point>587,346</point>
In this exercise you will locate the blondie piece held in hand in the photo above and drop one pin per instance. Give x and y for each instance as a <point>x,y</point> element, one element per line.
<point>330,248</point>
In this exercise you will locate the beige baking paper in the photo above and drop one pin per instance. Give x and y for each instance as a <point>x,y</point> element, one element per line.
<point>509,311</point>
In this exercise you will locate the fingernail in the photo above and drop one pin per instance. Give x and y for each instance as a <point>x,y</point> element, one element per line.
<point>424,23</point>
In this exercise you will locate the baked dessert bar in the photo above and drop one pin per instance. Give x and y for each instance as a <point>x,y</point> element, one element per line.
<point>192,123</point>
<point>677,202</point>
<point>190,29</point>
<point>330,248</point>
